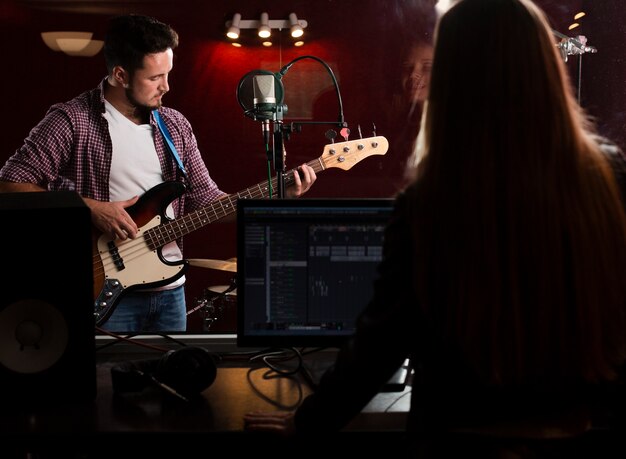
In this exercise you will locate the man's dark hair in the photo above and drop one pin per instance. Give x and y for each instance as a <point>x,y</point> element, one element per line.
<point>131,37</point>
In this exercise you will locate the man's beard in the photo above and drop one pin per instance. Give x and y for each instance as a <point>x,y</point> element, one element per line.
<point>140,108</point>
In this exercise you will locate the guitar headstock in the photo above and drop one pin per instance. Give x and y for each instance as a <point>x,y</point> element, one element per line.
<point>346,154</point>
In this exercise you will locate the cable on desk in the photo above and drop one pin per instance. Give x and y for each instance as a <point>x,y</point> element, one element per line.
<point>270,374</point>
<point>272,357</point>
<point>397,400</point>
<point>235,356</point>
<point>253,355</point>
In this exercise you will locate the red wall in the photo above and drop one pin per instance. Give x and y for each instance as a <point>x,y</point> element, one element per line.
<point>356,38</point>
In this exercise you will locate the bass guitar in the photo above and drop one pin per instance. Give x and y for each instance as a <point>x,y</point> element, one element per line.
<point>120,266</point>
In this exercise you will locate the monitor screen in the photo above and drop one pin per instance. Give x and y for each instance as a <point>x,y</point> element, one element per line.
<point>305,268</point>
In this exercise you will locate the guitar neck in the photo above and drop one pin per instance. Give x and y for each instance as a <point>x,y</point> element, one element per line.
<point>227,205</point>
<point>342,155</point>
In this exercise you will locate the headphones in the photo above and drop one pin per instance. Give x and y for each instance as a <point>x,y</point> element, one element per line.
<point>183,373</point>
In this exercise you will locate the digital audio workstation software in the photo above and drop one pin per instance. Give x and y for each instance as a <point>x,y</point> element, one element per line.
<point>305,268</point>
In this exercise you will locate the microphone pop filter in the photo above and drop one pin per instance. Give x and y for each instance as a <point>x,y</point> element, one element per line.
<point>245,91</point>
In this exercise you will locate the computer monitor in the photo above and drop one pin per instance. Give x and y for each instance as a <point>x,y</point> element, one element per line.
<point>305,268</point>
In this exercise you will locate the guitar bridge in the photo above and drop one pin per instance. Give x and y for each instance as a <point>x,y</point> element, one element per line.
<point>111,290</point>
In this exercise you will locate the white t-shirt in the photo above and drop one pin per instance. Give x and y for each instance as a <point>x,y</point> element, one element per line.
<point>135,168</point>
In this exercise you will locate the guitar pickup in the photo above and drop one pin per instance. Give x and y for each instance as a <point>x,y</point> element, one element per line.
<point>118,261</point>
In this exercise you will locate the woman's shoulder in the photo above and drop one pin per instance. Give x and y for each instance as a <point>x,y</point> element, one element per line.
<point>616,157</point>
<point>610,148</point>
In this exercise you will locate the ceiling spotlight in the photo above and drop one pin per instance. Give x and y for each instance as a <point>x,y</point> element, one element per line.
<point>296,28</point>
<point>264,27</point>
<point>233,29</point>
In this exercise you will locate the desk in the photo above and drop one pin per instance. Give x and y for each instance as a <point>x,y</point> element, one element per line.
<point>151,421</point>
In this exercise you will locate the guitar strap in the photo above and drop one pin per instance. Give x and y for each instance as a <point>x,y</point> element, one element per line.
<point>170,143</point>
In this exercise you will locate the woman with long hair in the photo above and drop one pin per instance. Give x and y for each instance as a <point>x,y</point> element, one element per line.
<point>504,269</point>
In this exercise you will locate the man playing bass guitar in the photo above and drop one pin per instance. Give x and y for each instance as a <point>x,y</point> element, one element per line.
<point>107,144</point>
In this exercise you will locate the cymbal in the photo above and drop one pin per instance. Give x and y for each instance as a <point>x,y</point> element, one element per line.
<point>222,289</point>
<point>221,265</point>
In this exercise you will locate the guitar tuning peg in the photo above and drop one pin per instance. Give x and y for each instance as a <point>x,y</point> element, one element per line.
<point>358,126</point>
<point>374,129</point>
<point>330,135</point>
<point>345,133</point>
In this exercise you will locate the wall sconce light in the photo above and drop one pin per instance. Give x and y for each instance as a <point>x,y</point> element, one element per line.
<point>233,27</point>
<point>265,25</point>
<point>295,27</point>
<point>73,43</point>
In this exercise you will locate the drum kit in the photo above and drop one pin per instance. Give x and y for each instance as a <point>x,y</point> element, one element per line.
<point>218,303</point>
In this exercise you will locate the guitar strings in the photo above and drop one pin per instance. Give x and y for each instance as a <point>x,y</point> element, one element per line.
<point>132,249</point>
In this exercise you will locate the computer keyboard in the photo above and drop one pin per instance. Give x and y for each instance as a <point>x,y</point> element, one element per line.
<point>314,369</point>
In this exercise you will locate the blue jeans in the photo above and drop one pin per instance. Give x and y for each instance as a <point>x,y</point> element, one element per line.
<point>162,311</point>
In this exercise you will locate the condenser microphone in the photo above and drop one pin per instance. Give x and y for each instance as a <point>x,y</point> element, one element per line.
<point>264,97</point>
<point>261,94</point>
<point>264,102</point>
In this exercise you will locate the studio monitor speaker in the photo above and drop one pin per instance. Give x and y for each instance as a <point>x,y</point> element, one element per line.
<point>47,337</point>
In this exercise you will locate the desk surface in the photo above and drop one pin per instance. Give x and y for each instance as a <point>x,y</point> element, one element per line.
<point>237,389</point>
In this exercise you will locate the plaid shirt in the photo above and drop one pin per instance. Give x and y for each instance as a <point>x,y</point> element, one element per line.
<point>71,149</point>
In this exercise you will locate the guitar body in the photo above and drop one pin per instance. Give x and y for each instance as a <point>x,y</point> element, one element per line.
<point>121,266</point>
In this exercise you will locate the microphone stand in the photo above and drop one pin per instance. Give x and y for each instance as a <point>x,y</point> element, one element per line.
<point>282,132</point>
<point>570,46</point>
<point>279,131</point>
<point>279,151</point>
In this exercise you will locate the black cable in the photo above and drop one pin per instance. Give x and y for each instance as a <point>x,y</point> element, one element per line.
<point>270,357</point>
<point>397,400</point>
<point>270,186</point>
<point>279,403</point>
